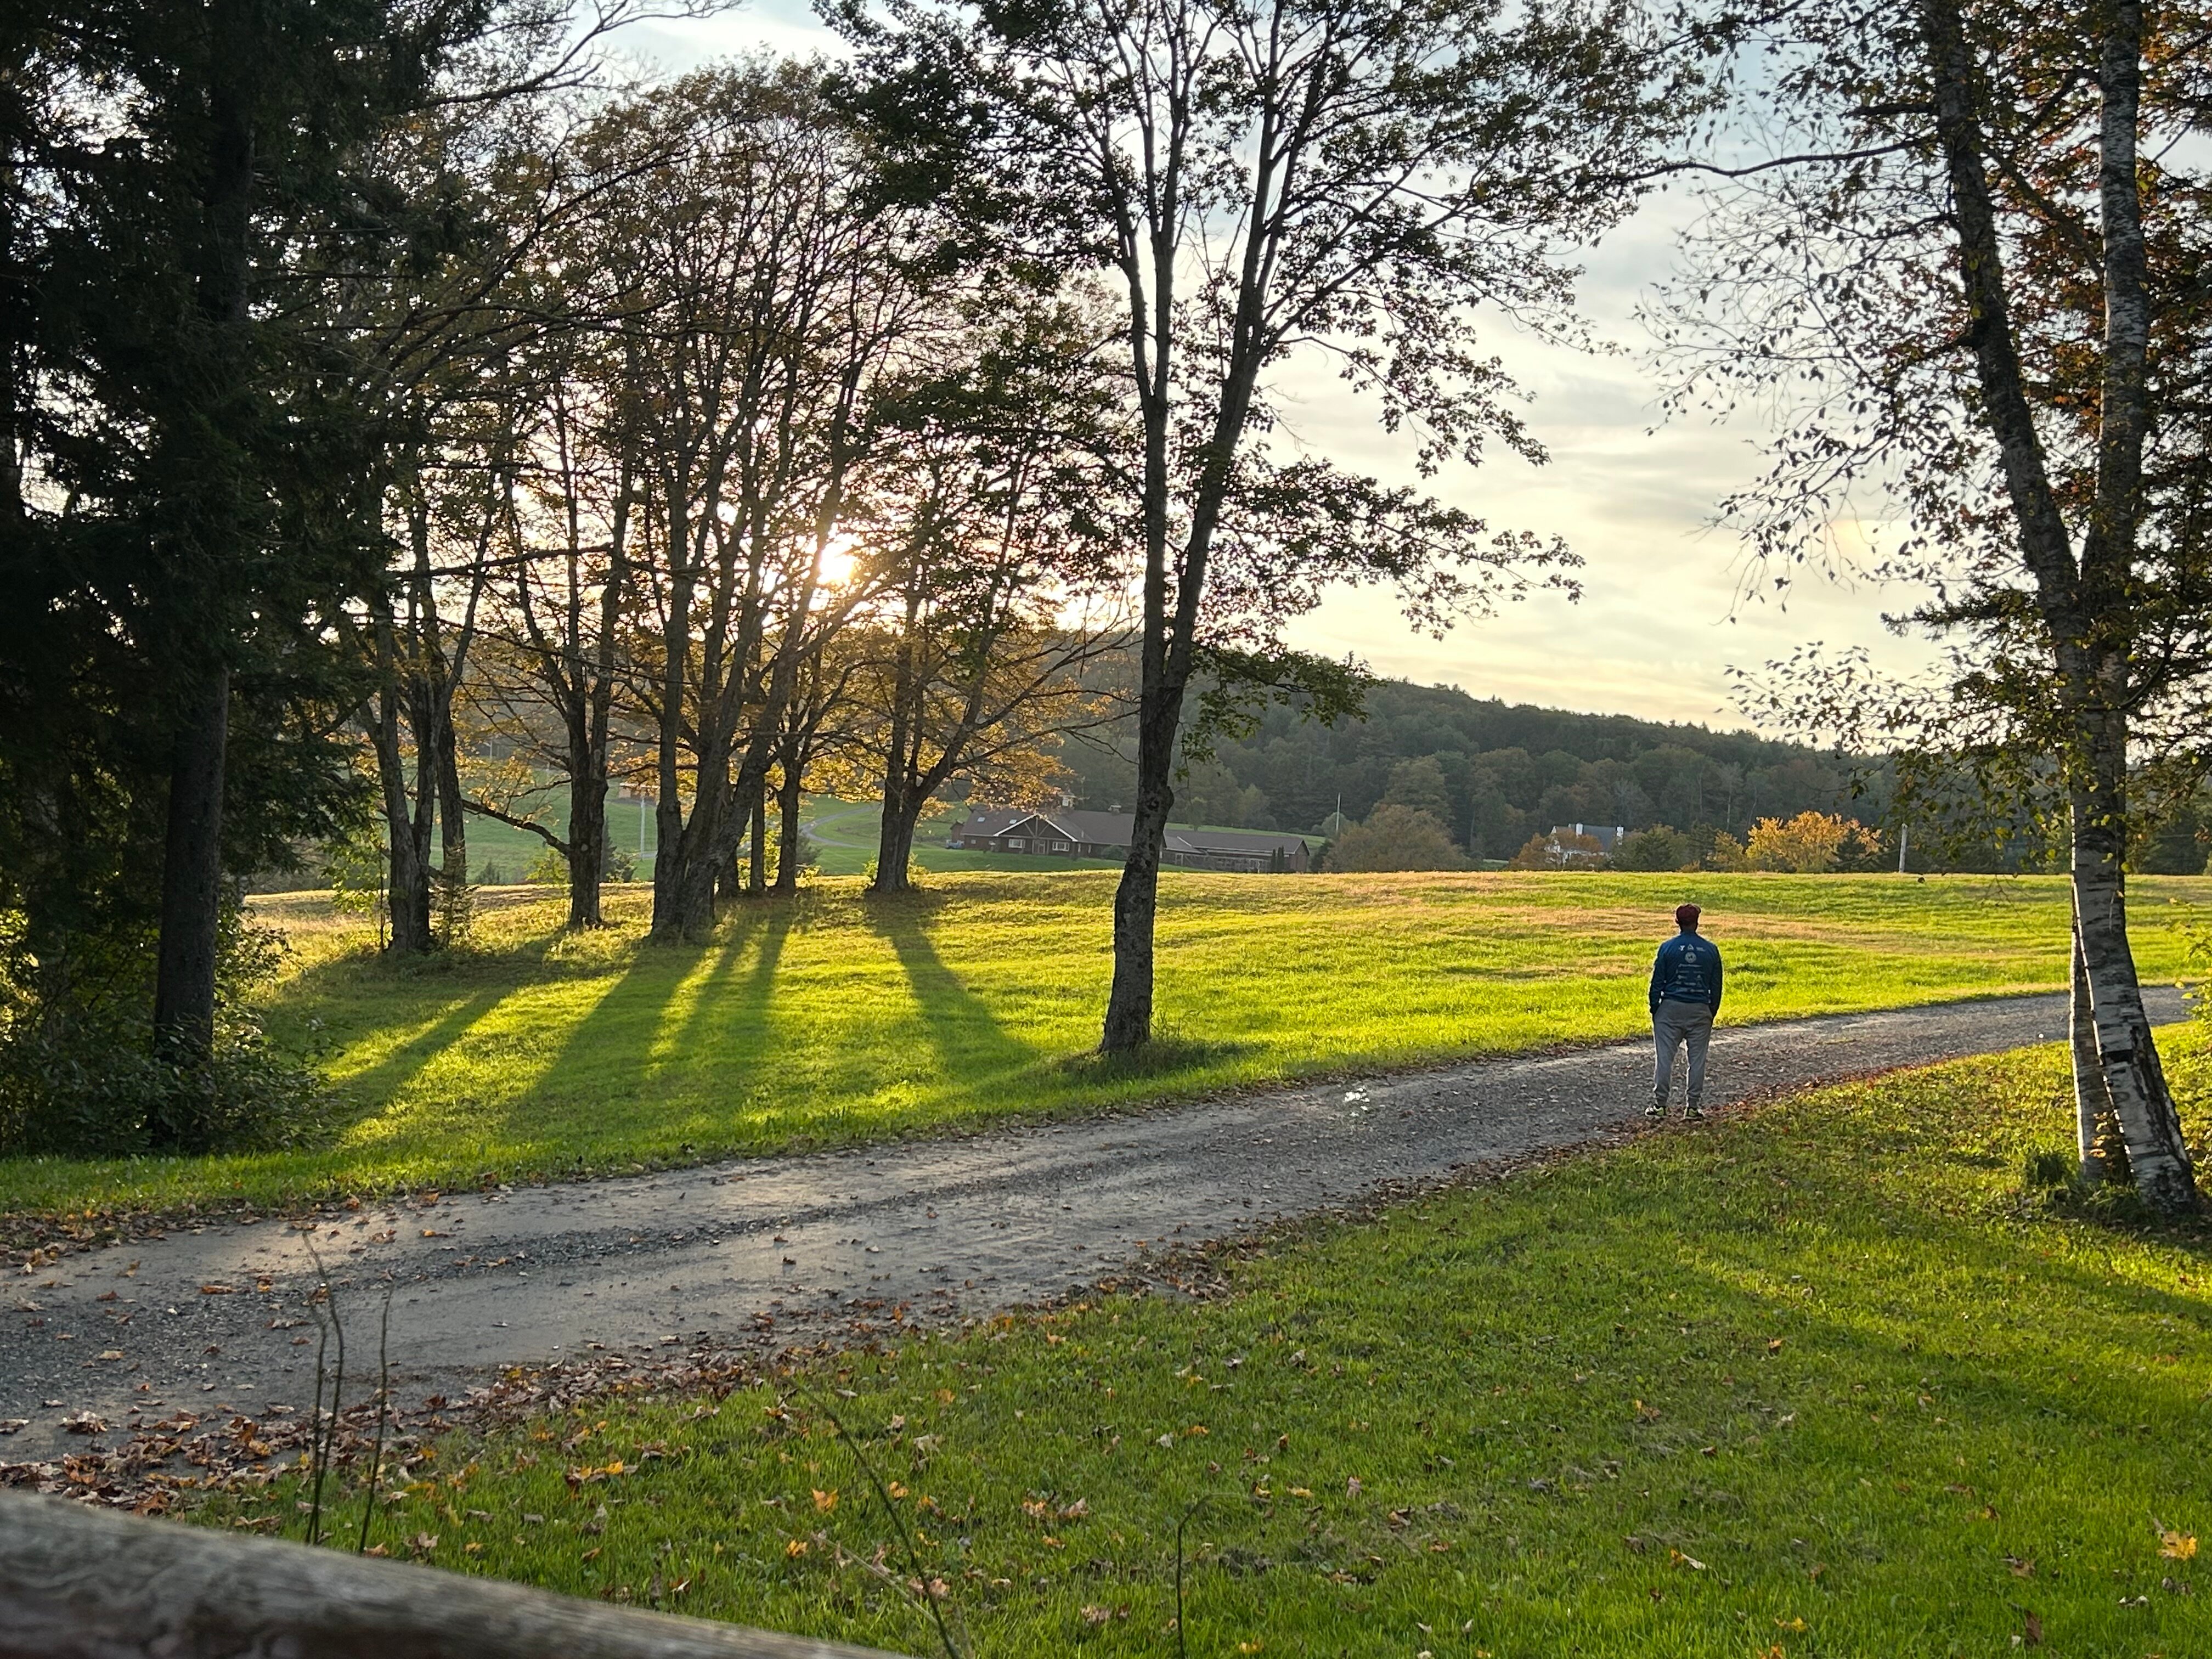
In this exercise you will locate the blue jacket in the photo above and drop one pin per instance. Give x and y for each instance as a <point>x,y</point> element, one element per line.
<point>1686,969</point>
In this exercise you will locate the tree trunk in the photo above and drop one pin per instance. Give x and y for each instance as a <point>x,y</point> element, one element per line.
<point>894,845</point>
<point>790,838</point>
<point>2095,1133</point>
<point>2149,1127</point>
<point>1136,901</point>
<point>407,884</point>
<point>756,863</point>
<point>191,878</point>
<point>894,848</point>
<point>676,864</point>
<point>191,862</point>
<point>453,906</point>
<point>587,834</point>
<point>895,836</point>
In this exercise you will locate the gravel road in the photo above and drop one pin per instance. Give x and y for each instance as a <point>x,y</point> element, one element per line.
<point>214,1318</point>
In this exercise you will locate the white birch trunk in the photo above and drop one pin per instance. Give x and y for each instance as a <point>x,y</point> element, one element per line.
<point>2149,1125</point>
<point>2092,1101</point>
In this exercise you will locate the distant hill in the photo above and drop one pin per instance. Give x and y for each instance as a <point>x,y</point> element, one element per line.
<point>1495,772</point>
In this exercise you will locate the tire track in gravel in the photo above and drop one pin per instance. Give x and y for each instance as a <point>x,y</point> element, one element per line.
<point>214,1319</point>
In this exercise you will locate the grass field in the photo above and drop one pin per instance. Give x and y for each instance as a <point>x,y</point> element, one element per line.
<point>1815,1381</point>
<point>831,1017</point>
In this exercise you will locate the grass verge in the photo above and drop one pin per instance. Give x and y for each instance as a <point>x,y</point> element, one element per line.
<point>832,1017</point>
<point>1824,1379</point>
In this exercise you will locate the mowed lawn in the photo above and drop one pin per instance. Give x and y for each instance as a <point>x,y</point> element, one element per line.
<point>1820,1380</point>
<point>830,1017</point>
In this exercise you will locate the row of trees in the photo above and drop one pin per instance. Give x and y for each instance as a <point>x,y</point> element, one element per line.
<point>1396,836</point>
<point>768,486</point>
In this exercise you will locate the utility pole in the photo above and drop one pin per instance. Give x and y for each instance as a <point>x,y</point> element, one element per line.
<point>1904,835</point>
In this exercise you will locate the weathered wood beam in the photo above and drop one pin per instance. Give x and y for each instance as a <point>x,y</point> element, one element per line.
<point>82,1582</point>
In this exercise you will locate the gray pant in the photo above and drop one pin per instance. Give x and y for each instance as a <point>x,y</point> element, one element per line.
<point>1674,1024</point>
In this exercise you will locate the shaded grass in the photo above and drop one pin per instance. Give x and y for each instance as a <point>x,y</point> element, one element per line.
<point>1815,1381</point>
<point>831,1018</point>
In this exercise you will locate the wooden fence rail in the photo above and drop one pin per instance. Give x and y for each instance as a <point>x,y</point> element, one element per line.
<point>81,1583</point>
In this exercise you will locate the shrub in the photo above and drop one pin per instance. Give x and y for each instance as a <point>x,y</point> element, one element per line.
<point>1660,847</point>
<point>1396,838</point>
<point>1726,854</point>
<point>1812,843</point>
<point>78,1076</point>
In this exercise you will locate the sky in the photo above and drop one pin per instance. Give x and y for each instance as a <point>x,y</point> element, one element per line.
<point>1664,613</point>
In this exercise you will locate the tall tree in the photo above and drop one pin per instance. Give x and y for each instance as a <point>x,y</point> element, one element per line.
<point>1978,280</point>
<point>776,291</point>
<point>993,541</point>
<point>1348,183</point>
<point>564,611</point>
<point>182,445</point>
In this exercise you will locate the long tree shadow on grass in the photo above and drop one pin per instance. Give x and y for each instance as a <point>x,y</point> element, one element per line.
<point>635,1044</point>
<point>748,1007</point>
<point>967,1034</point>
<point>973,1043</point>
<point>371,1090</point>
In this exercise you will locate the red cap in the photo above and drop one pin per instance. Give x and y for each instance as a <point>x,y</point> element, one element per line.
<point>1686,915</point>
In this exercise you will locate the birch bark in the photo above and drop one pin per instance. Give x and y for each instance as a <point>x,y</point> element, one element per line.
<point>2084,605</point>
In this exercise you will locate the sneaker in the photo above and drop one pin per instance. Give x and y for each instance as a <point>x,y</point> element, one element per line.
<point>1694,1113</point>
<point>1657,1108</point>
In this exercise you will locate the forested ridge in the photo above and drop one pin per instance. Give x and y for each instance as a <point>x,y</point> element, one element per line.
<point>1494,772</point>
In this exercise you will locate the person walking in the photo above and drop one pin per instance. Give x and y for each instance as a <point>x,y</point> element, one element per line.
<point>1686,995</point>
